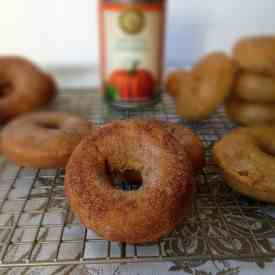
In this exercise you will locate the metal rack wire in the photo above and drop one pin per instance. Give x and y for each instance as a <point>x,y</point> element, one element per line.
<point>37,227</point>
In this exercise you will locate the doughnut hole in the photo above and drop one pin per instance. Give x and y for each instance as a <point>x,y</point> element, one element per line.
<point>5,89</point>
<point>49,125</point>
<point>127,180</point>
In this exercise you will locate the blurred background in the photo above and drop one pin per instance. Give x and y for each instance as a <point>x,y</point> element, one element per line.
<point>62,35</point>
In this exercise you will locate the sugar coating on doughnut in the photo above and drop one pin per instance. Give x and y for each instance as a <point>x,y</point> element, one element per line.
<point>139,216</point>
<point>188,140</point>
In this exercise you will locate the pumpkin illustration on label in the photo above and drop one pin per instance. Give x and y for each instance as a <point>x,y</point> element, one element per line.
<point>131,85</point>
<point>131,51</point>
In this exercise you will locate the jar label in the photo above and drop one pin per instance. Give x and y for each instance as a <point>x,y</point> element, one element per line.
<point>132,48</point>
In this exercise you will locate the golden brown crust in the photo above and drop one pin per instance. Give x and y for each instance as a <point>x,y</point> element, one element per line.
<point>254,87</point>
<point>256,54</point>
<point>138,216</point>
<point>246,157</point>
<point>190,142</point>
<point>173,81</point>
<point>206,87</point>
<point>23,86</point>
<point>186,138</point>
<point>43,139</point>
<point>245,113</point>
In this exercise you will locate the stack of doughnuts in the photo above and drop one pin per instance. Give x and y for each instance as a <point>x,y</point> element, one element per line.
<point>163,157</point>
<point>253,97</point>
<point>245,82</point>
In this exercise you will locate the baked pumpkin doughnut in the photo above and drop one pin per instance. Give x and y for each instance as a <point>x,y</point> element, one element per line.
<point>190,142</point>
<point>173,79</point>
<point>255,87</point>
<point>186,138</point>
<point>245,113</point>
<point>256,54</point>
<point>23,87</point>
<point>138,216</point>
<point>43,139</point>
<point>206,87</point>
<point>246,157</point>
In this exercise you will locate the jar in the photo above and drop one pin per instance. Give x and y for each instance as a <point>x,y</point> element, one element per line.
<point>131,51</point>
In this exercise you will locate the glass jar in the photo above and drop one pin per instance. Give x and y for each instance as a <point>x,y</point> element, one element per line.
<point>132,51</point>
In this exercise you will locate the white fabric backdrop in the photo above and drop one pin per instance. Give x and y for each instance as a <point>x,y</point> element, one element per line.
<point>61,32</point>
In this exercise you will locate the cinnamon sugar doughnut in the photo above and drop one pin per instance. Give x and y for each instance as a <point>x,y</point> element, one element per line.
<point>190,142</point>
<point>256,54</point>
<point>206,86</point>
<point>43,139</point>
<point>138,216</point>
<point>23,87</point>
<point>246,157</point>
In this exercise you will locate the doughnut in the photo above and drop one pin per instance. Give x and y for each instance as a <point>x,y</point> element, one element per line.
<point>43,139</point>
<point>246,158</point>
<point>186,138</point>
<point>191,143</point>
<point>138,216</point>
<point>23,87</point>
<point>172,81</point>
<point>245,113</point>
<point>256,54</point>
<point>255,87</point>
<point>205,88</point>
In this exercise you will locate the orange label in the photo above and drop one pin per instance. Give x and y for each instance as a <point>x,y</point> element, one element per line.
<point>140,6</point>
<point>131,50</point>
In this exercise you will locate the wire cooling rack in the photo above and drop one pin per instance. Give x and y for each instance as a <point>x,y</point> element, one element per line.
<point>37,227</point>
